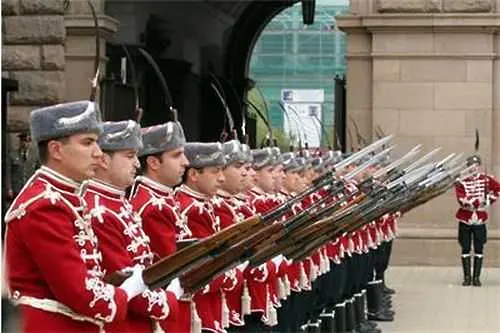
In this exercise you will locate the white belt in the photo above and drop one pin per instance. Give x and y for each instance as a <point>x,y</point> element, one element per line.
<point>55,307</point>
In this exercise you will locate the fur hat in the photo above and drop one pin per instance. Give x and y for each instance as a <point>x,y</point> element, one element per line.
<point>201,155</point>
<point>303,163</point>
<point>66,119</point>
<point>262,158</point>
<point>318,163</point>
<point>289,163</point>
<point>233,152</point>
<point>160,138</point>
<point>247,152</point>
<point>120,135</point>
<point>275,151</point>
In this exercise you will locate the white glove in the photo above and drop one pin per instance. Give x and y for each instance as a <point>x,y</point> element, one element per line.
<point>176,288</point>
<point>242,266</point>
<point>277,261</point>
<point>134,285</point>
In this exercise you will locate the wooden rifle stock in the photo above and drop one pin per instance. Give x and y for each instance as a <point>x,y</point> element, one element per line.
<point>166,269</point>
<point>244,246</point>
<point>294,240</point>
<point>201,275</point>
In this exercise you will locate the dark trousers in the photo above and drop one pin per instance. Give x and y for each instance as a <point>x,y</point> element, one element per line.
<point>468,234</point>
<point>382,256</point>
<point>254,324</point>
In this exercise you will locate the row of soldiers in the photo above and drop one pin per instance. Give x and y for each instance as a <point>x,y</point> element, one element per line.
<point>80,249</point>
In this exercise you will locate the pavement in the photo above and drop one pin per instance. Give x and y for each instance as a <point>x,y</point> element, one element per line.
<point>432,299</point>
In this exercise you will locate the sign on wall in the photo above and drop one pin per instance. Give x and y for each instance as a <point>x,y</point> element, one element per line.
<point>303,108</point>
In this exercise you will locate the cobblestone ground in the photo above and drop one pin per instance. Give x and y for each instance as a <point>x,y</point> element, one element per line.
<point>431,299</point>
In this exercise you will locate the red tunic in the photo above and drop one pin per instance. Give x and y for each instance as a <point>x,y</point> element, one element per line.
<point>226,207</point>
<point>124,244</point>
<point>262,280</point>
<point>162,223</point>
<point>474,194</point>
<point>53,262</point>
<point>201,220</point>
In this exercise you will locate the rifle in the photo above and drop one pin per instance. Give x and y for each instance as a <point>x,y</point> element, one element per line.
<point>166,269</point>
<point>401,198</point>
<point>250,243</point>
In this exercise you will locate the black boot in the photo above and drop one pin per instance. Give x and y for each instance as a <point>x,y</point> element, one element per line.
<point>376,310</point>
<point>350,315</point>
<point>340,318</point>
<point>362,324</point>
<point>359,309</point>
<point>466,268</point>
<point>314,326</point>
<point>388,290</point>
<point>478,262</point>
<point>327,322</point>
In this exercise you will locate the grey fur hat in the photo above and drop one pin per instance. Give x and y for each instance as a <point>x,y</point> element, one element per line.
<point>262,158</point>
<point>289,162</point>
<point>247,152</point>
<point>201,155</point>
<point>233,152</point>
<point>276,152</point>
<point>318,163</point>
<point>120,135</point>
<point>160,138</point>
<point>303,163</point>
<point>65,119</point>
<point>332,157</point>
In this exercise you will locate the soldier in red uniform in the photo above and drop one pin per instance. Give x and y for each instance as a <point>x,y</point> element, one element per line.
<point>163,163</point>
<point>474,194</point>
<point>292,274</point>
<point>228,209</point>
<point>122,241</point>
<point>261,280</point>
<point>202,180</point>
<point>53,263</point>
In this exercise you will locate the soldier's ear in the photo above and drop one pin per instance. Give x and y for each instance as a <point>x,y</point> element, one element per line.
<point>193,174</point>
<point>153,163</point>
<point>104,161</point>
<point>54,150</point>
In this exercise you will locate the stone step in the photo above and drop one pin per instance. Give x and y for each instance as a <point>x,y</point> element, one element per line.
<point>438,247</point>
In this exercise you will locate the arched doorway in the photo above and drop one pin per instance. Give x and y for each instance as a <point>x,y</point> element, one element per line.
<point>293,59</point>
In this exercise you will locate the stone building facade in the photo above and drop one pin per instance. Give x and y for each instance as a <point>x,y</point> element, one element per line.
<point>428,71</point>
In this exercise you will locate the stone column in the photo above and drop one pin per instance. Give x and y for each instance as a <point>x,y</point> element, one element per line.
<point>81,45</point>
<point>33,54</point>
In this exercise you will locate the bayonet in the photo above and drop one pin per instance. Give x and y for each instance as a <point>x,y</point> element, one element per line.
<point>396,164</point>
<point>138,110</point>
<point>361,153</point>
<point>372,161</point>
<point>163,83</point>
<point>96,79</point>
<point>421,160</point>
